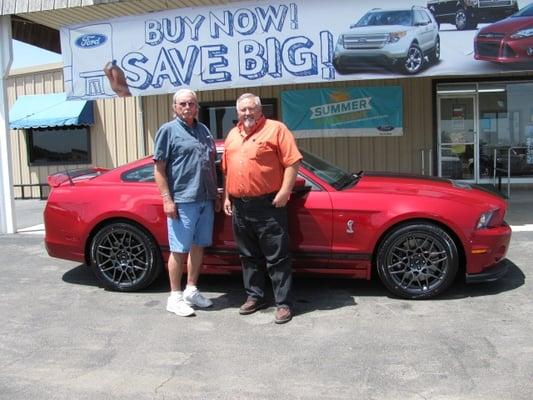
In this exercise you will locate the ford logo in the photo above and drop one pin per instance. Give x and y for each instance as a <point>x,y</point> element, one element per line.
<point>91,40</point>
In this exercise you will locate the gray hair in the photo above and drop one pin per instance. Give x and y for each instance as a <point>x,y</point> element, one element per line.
<point>252,96</point>
<point>181,92</point>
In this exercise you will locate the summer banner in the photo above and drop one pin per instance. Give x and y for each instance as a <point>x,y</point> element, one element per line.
<point>344,112</point>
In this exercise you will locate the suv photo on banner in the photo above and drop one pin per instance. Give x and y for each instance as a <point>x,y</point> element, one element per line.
<point>250,44</point>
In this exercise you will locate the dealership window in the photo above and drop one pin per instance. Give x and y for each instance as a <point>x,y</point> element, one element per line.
<point>486,130</point>
<point>62,145</point>
<point>220,117</point>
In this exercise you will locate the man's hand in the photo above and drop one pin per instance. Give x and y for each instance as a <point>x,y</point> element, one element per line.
<point>218,204</point>
<point>116,78</point>
<point>169,208</point>
<point>227,207</point>
<point>281,199</point>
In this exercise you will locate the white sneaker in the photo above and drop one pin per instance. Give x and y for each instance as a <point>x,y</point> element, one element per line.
<point>195,298</point>
<point>178,306</point>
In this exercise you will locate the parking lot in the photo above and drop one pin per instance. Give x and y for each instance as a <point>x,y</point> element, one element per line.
<point>64,337</point>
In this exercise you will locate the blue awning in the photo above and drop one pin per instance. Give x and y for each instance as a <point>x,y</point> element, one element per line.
<point>48,111</point>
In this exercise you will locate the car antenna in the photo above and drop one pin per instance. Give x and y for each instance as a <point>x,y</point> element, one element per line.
<point>69,177</point>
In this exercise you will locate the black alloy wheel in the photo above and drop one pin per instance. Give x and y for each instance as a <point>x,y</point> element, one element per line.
<point>464,20</point>
<point>125,257</point>
<point>417,260</point>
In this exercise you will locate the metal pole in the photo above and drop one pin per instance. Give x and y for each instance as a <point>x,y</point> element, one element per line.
<point>509,172</point>
<point>423,162</point>
<point>7,200</point>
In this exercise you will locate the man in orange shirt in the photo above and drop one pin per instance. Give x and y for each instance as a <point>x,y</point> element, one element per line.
<point>260,163</point>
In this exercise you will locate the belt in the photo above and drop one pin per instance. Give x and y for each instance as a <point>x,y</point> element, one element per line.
<point>247,199</point>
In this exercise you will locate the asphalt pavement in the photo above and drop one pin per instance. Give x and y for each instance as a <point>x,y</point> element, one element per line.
<point>64,337</point>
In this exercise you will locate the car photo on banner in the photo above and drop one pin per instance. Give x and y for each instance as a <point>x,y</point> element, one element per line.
<point>403,40</point>
<point>509,41</point>
<point>467,14</point>
<point>418,234</point>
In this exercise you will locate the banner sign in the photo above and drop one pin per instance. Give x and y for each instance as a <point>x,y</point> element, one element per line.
<point>337,112</point>
<point>265,43</point>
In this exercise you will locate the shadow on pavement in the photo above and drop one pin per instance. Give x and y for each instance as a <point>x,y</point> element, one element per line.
<point>311,293</point>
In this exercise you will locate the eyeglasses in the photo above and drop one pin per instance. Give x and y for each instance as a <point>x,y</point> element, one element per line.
<point>187,103</point>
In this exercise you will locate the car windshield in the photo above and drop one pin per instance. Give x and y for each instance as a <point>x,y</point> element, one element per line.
<point>525,12</point>
<point>401,17</point>
<point>333,175</point>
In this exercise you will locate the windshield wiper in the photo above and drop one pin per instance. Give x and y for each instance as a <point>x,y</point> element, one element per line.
<point>347,181</point>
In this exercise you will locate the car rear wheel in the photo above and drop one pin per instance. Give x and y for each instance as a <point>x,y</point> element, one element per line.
<point>463,20</point>
<point>414,61</point>
<point>417,260</point>
<point>124,257</point>
<point>434,56</point>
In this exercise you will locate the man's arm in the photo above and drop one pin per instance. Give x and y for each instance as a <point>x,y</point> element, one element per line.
<point>289,177</point>
<point>160,175</point>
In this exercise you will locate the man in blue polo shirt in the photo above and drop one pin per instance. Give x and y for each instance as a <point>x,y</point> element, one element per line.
<point>184,157</point>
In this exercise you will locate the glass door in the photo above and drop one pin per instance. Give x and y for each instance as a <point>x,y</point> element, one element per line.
<point>457,127</point>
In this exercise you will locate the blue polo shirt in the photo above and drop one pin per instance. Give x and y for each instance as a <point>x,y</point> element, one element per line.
<point>190,153</point>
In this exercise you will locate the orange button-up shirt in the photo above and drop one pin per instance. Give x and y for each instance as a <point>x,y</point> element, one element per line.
<point>254,164</point>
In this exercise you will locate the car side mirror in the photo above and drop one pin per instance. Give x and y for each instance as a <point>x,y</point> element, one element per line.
<point>300,187</point>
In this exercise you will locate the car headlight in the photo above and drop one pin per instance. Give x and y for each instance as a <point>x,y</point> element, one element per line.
<point>396,36</point>
<point>487,219</point>
<point>522,33</point>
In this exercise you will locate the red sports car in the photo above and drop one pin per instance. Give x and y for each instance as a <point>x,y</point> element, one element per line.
<point>417,233</point>
<point>507,41</point>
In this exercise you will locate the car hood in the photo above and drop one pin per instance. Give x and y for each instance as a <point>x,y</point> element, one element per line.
<point>430,187</point>
<point>377,29</point>
<point>508,25</point>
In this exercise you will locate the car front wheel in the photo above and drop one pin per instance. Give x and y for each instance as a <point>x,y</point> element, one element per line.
<point>417,260</point>
<point>413,62</point>
<point>124,257</point>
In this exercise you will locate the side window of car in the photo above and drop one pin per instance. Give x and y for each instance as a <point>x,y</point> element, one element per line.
<point>309,182</point>
<point>426,17</point>
<point>141,174</point>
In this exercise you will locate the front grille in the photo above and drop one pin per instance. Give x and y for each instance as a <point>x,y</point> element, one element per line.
<point>491,35</point>
<point>352,42</point>
<point>488,49</point>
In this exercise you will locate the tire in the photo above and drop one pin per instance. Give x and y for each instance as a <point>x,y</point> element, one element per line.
<point>464,20</point>
<point>340,68</point>
<point>124,257</point>
<point>414,61</point>
<point>434,56</point>
<point>417,260</point>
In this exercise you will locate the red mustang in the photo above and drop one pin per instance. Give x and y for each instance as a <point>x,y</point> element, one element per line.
<point>418,233</point>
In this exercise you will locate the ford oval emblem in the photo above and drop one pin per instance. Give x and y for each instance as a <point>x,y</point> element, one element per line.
<point>91,40</point>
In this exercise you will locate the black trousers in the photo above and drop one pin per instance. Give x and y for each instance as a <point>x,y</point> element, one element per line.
<point>261,232</point>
